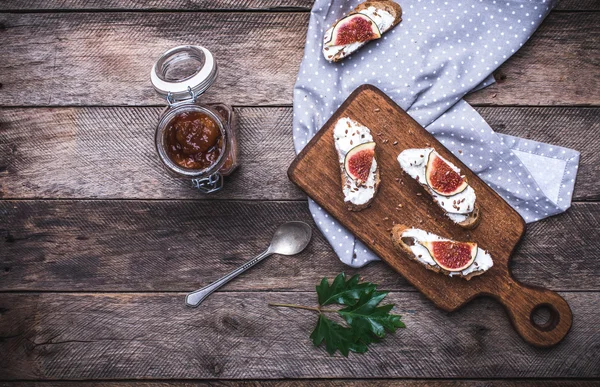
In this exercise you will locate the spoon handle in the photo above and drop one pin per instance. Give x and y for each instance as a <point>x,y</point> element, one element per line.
<point>195,298</point>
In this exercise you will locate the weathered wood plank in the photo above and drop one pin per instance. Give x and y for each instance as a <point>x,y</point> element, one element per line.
<point>104,58</point>
<point>164,5</point>
<point>314,383</point>
<point>198,5</point>
<point>109,152</point>
<point>130,245</point>
<point>236,335</point>
<point>578,5</point>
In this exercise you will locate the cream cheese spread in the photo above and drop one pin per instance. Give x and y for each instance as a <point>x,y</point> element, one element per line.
<point>383,19</point>
<point>483,260</point>
<point>347,134</point>
<point>457,207</point>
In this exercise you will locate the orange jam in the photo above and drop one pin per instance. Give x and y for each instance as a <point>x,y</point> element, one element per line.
<point>193,140</point>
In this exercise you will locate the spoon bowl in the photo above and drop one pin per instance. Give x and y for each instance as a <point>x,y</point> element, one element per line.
<point>290,238</point>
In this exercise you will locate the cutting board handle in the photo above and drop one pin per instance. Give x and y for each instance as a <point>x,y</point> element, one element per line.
<point>521,302</point>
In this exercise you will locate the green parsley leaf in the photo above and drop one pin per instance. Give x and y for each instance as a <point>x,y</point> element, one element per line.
<point>342,292</point>
<point>336,337</point>
<point>366,322</point>
<point>367,318</point>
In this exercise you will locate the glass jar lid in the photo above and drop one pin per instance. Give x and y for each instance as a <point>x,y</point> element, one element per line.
<point>183,73</point>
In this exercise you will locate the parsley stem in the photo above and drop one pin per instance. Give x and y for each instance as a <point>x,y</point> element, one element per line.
<point>319,310</point>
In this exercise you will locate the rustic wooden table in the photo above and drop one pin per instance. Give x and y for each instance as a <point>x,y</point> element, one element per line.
<point>98,245</point>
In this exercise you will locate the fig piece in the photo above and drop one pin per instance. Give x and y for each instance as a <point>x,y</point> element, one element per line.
<point>358,161</point>
<point>352,29</point>
<point>452,256</point>
<point>441,178</point>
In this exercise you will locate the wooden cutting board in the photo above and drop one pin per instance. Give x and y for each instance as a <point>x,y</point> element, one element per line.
<point>316,171</point>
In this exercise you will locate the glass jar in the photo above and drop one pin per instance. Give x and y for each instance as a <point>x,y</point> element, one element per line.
<point>194,141</point>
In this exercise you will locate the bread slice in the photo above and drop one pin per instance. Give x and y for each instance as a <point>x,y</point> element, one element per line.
<point>472,220</point>
<point>402,243</point>
<point>414,161</point>
<point>347,135</point>
<point>358,207</point>
<point>389,7</point>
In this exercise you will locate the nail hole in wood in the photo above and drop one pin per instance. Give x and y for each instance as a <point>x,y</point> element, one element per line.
<point>545,317</point>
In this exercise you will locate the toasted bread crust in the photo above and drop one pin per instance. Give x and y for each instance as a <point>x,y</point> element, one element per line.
<point>387,5</point>
<point>473,220</point>
<point>396,235</point>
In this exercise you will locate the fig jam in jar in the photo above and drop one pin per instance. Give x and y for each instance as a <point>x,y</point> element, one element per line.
<point>193,140</point>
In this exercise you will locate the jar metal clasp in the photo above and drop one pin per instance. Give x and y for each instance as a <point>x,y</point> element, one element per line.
<point>193,95</point>
<point>210,184</point>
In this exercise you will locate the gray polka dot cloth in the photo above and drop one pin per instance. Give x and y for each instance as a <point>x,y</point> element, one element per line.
<point>440,51</point>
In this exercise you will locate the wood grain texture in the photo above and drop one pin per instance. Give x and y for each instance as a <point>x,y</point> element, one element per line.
<point>578,5</point>
<point>316,171</point>
<point>236,335</point>
<point>79,58</point>
<point>314,383</point>
<point>130,245</point>
<point>105,58</point>
<point>198,5</point>
<point>109,152</point>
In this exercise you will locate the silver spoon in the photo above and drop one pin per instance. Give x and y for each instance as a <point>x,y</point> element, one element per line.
<point>289,239</point>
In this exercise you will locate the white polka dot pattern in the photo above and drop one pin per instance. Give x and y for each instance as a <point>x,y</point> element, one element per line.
<point>440,51</point>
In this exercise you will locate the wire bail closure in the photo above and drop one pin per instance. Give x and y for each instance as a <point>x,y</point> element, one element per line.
<point>171,100</point>
<point>210,184</point>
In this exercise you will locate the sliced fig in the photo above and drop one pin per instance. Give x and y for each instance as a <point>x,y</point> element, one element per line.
<point>452,256</point>
<point>359,160</point>
<point>354,28</point>
<point>441,178</point>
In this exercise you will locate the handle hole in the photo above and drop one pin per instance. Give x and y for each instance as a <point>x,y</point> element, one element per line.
<point>545,317</point>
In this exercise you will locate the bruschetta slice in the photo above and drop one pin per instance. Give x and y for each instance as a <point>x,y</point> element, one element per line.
<point>368,21</point>
<point>443,181</point>
<point>358,165</point>
<point>452,258</point>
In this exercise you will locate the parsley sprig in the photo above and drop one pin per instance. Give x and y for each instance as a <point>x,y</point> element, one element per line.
<point>366,321</point>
